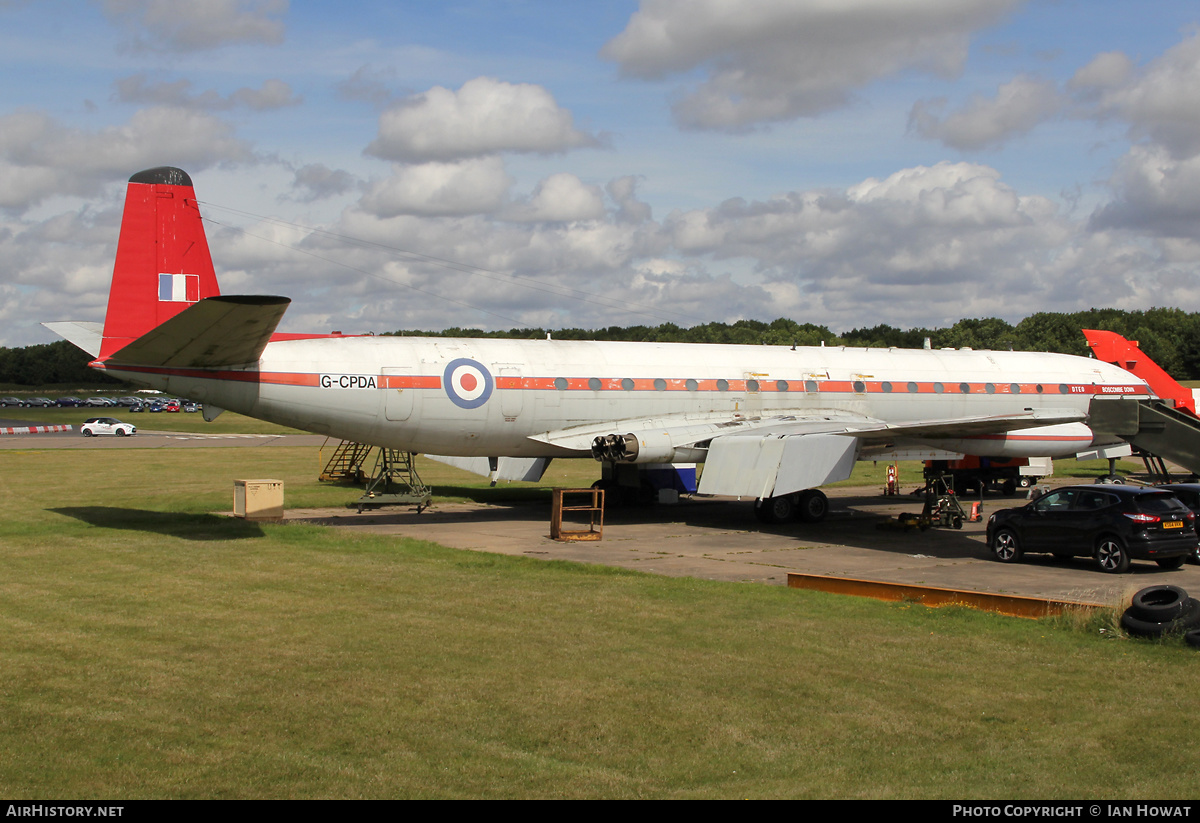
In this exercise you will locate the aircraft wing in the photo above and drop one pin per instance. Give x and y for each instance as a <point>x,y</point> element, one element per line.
<point>693,430</point>
<point>747,456</point>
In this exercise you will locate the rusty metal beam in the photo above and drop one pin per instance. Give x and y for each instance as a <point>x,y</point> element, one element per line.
<point>1012,605</point>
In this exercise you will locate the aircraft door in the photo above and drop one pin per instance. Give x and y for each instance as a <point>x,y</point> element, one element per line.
<point>511,391</point>
<point>400,395</point>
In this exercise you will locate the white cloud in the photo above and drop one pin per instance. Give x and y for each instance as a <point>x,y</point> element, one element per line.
<point>1160,102</point>
<point>911,248</point>
<point>560,197</point>
<point>273,94</point>
<point>485,116</point>
<point>469,186</point>
<point>773,60</point>
<point>316,181</point>
<point>1018,106</point>
<point>40,157</point>
<point>188,25</point>
<point>1155,193</point>
<point>1156,184</point>
<point>1105,71</point>
<point>623,191</point>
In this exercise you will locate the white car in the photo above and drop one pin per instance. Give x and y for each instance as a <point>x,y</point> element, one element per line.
<point>106,425</point>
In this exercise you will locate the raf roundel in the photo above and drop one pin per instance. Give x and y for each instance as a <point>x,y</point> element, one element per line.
<point>468,383</point>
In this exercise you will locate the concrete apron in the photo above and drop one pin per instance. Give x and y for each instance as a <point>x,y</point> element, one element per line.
<point>720,539</point>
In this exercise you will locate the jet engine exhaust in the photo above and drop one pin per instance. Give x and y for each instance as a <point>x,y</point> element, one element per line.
<point>615,448</point>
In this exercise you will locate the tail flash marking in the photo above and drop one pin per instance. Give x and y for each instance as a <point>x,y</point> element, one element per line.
<point>179,288</point>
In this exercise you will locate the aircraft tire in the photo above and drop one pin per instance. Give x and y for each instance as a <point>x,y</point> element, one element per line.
<point>775,510</point>
<point>814,506</point>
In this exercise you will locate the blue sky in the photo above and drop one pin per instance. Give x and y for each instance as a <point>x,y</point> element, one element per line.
<point>846,163</point>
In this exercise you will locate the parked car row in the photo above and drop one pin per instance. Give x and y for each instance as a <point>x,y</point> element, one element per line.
<point>1113,524</point>
<point>166,405</point>
<point>27,402</point>
<point>153,403</point>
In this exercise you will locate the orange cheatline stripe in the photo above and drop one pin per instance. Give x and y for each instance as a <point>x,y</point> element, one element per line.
<point>645,384</point>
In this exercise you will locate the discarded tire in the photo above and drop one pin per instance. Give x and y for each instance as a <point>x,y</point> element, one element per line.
<point>1189,618</point>
<point>1158,604</point>
<point>1192,638</point>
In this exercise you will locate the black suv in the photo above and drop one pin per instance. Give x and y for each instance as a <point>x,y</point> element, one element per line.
<point>1113,524</point>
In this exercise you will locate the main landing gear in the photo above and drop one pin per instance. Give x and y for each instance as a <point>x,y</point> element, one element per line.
<point>810,506</point>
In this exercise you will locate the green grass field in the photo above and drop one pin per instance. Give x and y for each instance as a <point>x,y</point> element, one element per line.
<point>151,648</point>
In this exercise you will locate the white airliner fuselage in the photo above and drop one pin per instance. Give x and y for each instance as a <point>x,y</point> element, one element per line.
<point>530,398</point>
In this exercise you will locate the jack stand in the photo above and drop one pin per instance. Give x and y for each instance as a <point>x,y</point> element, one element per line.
<point>941,504</point>
<point>394,482</point>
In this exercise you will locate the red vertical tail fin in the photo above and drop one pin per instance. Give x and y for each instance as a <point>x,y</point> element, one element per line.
<point>163,263</point>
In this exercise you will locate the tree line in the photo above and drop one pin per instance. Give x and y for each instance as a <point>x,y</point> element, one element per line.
<point>1171,337</point>
<point>49,364</point>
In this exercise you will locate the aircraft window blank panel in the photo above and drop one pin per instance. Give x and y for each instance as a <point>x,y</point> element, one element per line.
<point>1015,388</point>
<point>560,383</point>
<point>990,388</point>
<point>660,384</point>
<point>781,385</point>
<point>1063,388</point>
<point>627,384</point>
<point>594,383</point>
<point>965,388</point>
<point>912,388</point>
<point>810,385</point>
<point>751,385</point>
<point>692,385</point>
<point>722,385</point>
<point>938,388</point>
<point>887,387</point>
<point>860,386</point>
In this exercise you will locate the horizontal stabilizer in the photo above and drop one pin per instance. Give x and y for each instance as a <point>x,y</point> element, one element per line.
<point>230,330</point>
<point>86,335</point>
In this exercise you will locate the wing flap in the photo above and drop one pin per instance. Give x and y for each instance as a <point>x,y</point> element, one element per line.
<point>752,466</point>
<point>231,330</point>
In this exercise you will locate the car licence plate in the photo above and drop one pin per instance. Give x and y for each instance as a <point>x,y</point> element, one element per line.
<point>1177,525</point>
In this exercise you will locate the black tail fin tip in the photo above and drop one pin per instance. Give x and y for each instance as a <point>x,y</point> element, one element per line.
<point>164,176</point>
